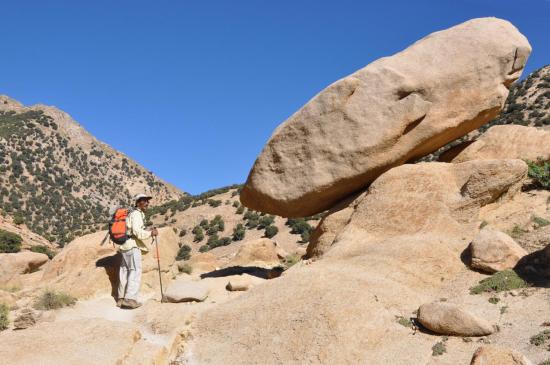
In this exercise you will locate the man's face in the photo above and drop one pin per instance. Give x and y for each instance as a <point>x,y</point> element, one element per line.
<point>143,204</point>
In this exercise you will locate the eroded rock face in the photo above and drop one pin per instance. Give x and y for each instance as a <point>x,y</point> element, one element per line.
<point>400,246</point>
<point>508,141</point>
<point>449,319</point>
<point>494,251</point>
<point>395,109</point>
<point>496,355</point>
<point>443,199</point>
<point>14,264</point>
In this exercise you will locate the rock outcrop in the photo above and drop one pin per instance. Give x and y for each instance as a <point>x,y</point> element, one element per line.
<point>14,264</point>
<point>508,141</point>
<point>261,253</point>
<point>449,319</point>
<point>496,355</point>
<point>493,251</point>
<point>405,236</point>
<point>186,291</point>
<point>394,110</point>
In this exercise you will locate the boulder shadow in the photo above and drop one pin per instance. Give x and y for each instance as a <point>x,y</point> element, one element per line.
<point>259,272</point>
<point>534,268</point>
<point>111,264</point>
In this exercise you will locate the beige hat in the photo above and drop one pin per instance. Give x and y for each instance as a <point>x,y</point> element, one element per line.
<point>141,196</point>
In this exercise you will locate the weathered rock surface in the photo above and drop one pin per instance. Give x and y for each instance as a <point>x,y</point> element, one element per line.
<point>85,268</point>
<point>186,291</point>
<point>494,251</point>
<point>402,244</point>
<point>26,318</point>
<point>14,264</point>
<point>243,282</point>
<point>203,262</point>
<point>495,355</point>
<point>449,319</point>
<point>262,252</point>
<point>85,342</point>
<point>508,141</point>
<point>395,109</point>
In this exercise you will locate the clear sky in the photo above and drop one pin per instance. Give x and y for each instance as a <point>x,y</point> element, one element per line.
<point>193,89</point>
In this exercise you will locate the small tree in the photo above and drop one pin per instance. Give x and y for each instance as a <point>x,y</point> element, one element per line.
<point>239,232</point>
<point>184,253</point>
<point>9,242</point>
<point>271,231</point>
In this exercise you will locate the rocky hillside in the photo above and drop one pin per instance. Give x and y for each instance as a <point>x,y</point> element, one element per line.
<point>216,222</point>
<point>528,102</point>
<point>59,180</point>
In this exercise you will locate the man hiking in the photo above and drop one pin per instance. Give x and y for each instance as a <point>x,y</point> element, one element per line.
<point>130,266</point>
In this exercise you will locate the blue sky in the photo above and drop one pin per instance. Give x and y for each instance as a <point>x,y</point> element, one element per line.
<point>193,89</point>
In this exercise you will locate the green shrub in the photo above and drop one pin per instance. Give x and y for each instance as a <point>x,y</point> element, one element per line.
<point>9,242</point>
<point>186,268</point>
<point>204,248</point>
<point>204,223</point>
<point>236,204</point>
<point>540,338</point>
<point>494,300</point>
<point>199,234</point>
<point>540,173</point>
<point>43,249</point>
<point>291,260</point>
<point>439,348</point>
<point>54,300</point>
<point>271,231</point>
<point>183,232</point>
<point>4,317</point>
<point>18,219</point>
<point>184,253</point>
<point>517,232</point>
<point>240,210</point>
<point>541,222</point>
<point>265,221</point>
<point>405,322</point>
<point>500,281</point>
<point>239,232</point>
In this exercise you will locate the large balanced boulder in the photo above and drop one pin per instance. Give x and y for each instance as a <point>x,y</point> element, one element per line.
<point>85,267</point>
<point>493,251</point>
<point>394,110</point>
<point>449,319</point>
<point>496,355</point>
<point>14,264</point>
<point>508,141</point>
<point>399,249</point>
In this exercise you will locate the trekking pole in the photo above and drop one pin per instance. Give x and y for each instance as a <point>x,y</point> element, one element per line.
<point>160,275</point>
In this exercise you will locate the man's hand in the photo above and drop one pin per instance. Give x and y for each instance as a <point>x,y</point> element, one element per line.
<point>154,232</point>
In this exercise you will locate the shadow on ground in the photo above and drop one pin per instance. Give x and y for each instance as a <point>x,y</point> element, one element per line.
<point>534,268</point>
<point>250,270</point>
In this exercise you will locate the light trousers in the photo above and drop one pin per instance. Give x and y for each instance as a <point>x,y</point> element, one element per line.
<point>129,275</point>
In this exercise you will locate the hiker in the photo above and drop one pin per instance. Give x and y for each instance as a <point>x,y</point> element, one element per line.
<point>130,266</point>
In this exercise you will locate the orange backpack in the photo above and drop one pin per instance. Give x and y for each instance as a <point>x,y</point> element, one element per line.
<point>118,230</point>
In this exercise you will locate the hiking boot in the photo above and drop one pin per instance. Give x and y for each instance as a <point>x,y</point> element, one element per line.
<point>130,304</point>
<point>119,302</point>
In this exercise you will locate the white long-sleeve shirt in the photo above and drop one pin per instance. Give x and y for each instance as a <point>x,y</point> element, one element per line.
<point>137,232</point>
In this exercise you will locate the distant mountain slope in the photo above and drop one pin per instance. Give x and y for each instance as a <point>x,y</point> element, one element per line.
<point>58,179</point>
